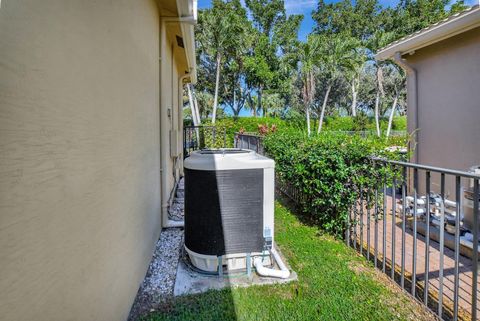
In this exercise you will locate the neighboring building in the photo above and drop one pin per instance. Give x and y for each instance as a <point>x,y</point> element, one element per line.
<point>90,139</point>
<point>443,67</point>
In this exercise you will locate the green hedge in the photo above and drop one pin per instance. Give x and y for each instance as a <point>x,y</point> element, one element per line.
<point>347,123</point>
<point>326,169</point>
<point>251,125</point>
<point>247,124</point>
<point>334,123</point>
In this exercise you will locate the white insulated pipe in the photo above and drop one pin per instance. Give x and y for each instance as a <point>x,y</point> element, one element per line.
<point>174,224</point>
<point>283,273</point>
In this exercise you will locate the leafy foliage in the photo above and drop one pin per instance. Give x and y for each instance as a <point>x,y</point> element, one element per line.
<point>327,170</point>
<point>249,125</point>
<point>250,57</point>
<point>233,125</point>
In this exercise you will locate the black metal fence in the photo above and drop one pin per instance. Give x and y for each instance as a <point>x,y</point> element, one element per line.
<point>421,228</point>
<point>200,137</point>
<point>372,133</point>
<point>249,141</point>
<point>254,141</point>
<point>418,224</point>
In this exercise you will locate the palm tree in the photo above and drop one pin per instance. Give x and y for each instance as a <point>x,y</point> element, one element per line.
<point>220,30</point>
<point>353,62</point>
<point>251,103</point>
<point>395,83</point>
<point>380,94</point>
<point>337,55</point>
<point>378,40</point>
<point>274,104</point>
<point>309,58</point>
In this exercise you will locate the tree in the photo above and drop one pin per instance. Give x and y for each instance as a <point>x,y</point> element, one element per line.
<point>273,58</point>
<point>274,104</point>
<point>218,33</point>
<point>234,94</point>
<point>337,54</point>
<point>309,58</point>
<point>395,84</point>
<point>354,67</point>
<point>377,41</point>
<point>252,104</point>
<point>256,61</point>
<point>410,16</point>
<point>355,19</point>
<point>260,73</point>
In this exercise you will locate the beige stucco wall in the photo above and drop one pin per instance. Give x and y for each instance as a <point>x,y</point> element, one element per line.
<point>79,156</point>
<point>166,101</point>
<point>173,67</point>
<point>448,80</point>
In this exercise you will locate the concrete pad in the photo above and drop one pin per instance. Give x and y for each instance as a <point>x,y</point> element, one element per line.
<point>189,281</point>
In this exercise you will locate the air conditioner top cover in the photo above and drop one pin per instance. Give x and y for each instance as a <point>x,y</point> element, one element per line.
<point>226,159</point>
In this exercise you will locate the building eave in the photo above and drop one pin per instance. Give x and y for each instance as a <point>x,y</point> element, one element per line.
<point>454,25</point>
<point>188,9</point>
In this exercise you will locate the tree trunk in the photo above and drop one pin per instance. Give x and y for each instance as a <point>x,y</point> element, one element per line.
<point>308,120</point>
<point>197,109</point>
<point>354,99</point>
<point>195,117</point>
<point>392,113</point>
<point>260,107</point>
<point>235,113</point>
<point>380,95</point>
<point>192,106</point>
<point>217,83</point>
<point>324,106</point>
<point>377,113</point>
<point>235,109</point>
<point>251,104</point>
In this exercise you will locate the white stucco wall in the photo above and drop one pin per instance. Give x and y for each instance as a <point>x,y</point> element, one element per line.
<point>79,156</point>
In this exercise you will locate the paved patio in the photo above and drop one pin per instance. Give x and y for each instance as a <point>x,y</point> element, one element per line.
<point>465,265</point>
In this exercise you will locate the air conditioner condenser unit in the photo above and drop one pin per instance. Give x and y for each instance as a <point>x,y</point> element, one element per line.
<point>229,209</point>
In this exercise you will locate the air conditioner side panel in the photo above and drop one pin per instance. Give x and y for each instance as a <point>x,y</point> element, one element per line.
<point>224,211</point>
<point>268,201</point>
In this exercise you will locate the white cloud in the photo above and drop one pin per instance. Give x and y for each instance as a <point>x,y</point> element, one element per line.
<point>300,6</point>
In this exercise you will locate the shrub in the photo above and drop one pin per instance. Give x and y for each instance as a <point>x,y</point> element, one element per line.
<point>260,125</point>
<point>263,125</point>
<point>399,123</point>
<point>339,123</point>
<point>361,122</point>
<point>325,169</point>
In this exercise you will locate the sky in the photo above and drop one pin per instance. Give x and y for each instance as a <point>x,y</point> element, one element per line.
<point>306,7</point>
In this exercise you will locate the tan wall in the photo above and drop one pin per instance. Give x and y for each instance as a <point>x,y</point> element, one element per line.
<point>79,156</point>
<point>173,68</point>
<point>448,75</point>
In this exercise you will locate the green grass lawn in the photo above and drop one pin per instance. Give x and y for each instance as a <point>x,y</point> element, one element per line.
<point>334,283</point>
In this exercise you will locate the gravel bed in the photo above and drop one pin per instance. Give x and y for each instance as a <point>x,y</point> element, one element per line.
<point>158,284</point>
<point>175,212</point>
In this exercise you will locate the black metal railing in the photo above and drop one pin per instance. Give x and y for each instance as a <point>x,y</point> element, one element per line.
<point>419,224</point>
<point>200,137</point>
<point>250,141</point>
<point>254,141</point>
<point>371,133</point>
